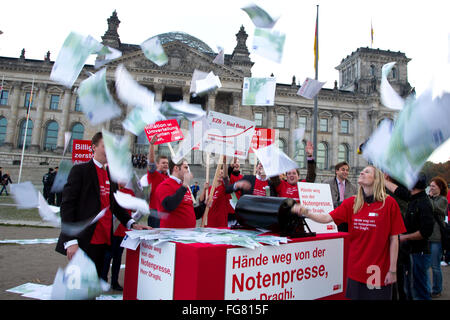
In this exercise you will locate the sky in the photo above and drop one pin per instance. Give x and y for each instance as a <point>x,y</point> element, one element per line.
<point>420,29</point>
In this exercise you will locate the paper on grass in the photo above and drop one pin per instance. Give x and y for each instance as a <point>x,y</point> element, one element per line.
<point>127,201</point>
<point>274,161</point>
<point>118,153</point>
<point>95,100</point>
<point>25,195</point>
<point>154,51</point>
<point>310,88</point>
<point>26,288</point>
<point>269,44</point>
<point>258,91</point>
<point>389,97</point>
<point>72,57</point>
<point>259,16</point>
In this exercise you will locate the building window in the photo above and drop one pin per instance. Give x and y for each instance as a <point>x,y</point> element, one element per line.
<point>51,136</point>
<point>27,100</point>
<point>280,120</point>
<point>54,102</point>
<point>302,122</point>
<point>394,73</point>
<point>323,125</point>
<point>77,104</point>
<point>344,126</point>
<point>300,154</point>
<point>372,70</point>
<point>4,97</point>
<point>343,153</point>
<point>282,145</point>
<point>22,132</point>
<point>3,123</point>
<point>77,134</point>
<point>258,119</point>
<point>322,156</point>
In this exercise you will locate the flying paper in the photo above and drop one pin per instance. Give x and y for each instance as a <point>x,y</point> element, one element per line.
<point>118,153</point>
<point>95,100</point>
<point>197,75</point>
<point>220,58</point>
<point>130,92</point>
<point>154,51</point>
<point>269,44</point>
<point>47,213</point>
<point>105,55</point>
<point>298,139</point>
<point>72,57</point>
<point>144,181</point>
<point>79,280</point>
<point>210,83</point>
<point>259,16</point>
<point>182,110</point>
<point>258,91</point>
<point>274,161</point>
<point>389,97</point>
<point>421,127</point>
<point>67,136</point>
<point>132,203</point>
<point>310,88</point>
<point>140,117</point>
<point>75,228</point>
<point>61,177</point>
<point>25,195</point>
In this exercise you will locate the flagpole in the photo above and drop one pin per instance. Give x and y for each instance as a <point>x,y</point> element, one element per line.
<point>26,129</point>
<point>316,77</point>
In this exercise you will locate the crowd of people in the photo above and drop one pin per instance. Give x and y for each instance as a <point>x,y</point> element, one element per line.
<point>139,161</point>
<point>402,239</point>
<point>52,198</point>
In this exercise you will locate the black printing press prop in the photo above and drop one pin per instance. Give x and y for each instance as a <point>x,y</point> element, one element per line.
<point>271,213</point>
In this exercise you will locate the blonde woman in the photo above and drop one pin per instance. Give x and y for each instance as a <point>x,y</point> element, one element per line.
<point>374,223</point>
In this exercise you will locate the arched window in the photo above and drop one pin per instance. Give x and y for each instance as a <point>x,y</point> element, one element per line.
<point>3,123</point>
<point>372,70</point>
<point>22,132</point>
<point>343,153</point>
<point>300,154</point>
<point>322,156</point>
<point>77,134</point>
<point>51,136</point>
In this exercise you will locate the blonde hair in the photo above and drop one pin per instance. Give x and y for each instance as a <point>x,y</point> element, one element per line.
<point>379,191</point>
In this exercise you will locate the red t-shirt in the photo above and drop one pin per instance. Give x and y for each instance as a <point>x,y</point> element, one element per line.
<point>183,216</point>
<point>287,190</point>
<point>121,229</point>
<point>369,230</point>
<point>238,193</point>
<point>102,232</point>
<point>259,190</point>
<point>218,213</point>
<point>154,179</point>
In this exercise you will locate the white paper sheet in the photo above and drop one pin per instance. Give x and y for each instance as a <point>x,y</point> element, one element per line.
<point>154,51</point>
<point>130,91</point>
<point>118,154</point>
<point>25,195</point>
<point>389,97</point>
<point>105,55</point>
<point>269,44</point>
<point>258,91</point>
<point>144,181</point>
<point>132,203</point>
<point>220,58</point>
<point>210,83</point>
<point>310,88</point>
<point>259,16</point>
<point>47,213</point>
<point>274,161</point>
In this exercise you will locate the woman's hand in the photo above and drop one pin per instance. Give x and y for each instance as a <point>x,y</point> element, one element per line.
<point>391,278</point>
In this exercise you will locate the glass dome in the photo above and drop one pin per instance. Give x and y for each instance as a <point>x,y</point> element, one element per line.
<point>186,39</point>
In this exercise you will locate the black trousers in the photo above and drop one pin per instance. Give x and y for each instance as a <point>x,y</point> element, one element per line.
<point>113,253</point>
<point>97,254</point>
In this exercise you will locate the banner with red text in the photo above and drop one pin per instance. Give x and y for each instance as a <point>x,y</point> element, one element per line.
<point>262,138</point>
<point>227,135</point>
<point>317,198</point>
<point>81,151</point>
<point>167,130</point>
<point>156,271</point>
<point>296,271</point>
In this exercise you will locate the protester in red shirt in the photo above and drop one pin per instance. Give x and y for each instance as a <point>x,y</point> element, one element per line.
<point>156,173</point>
<point>218,212</point>
<point>174,201</point>
<point>374,223</point>
<point>258,185</point>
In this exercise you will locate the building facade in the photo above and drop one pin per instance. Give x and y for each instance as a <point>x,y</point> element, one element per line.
<point>347,114</point>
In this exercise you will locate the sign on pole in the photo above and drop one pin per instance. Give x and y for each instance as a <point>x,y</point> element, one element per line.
<point>262,138</point>
<point>167,130</point>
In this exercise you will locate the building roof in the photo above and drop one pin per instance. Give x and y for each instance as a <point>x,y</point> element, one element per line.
<point>186,39</point>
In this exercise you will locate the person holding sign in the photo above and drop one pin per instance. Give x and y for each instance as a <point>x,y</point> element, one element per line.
<point>374,222</point>
<point>289,188</point>
<point>258,185</point>
<point>218,213</point>
<point>174,199</point>
<point>156,173</point>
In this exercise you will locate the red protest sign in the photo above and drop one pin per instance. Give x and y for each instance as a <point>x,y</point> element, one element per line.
<point>81,151</point>
<point>167,131</point>
<point>262,138</point>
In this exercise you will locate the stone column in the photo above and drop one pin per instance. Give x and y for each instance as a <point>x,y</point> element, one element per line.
<point>159,89</point>
<point>211,104</point>
<point>235,108</point>
<point>335,139</point>
<point>356,141</point>
<point>38,123</point>
<point>292,127</point>
<point>67,98</point>
<point>12,125</point>
<point>270,116</point>
<point>186,94</point>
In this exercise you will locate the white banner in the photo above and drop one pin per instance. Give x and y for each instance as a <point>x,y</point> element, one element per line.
<point>296,271</point>
<point>227,135</point>
<point>156,271</point>
<point>317,198</point>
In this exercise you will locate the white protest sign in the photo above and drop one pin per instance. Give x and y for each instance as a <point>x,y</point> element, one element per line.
<point>227,135</point>
<point>296,271</point>
<point>156,271</point>
<point>317,198</point>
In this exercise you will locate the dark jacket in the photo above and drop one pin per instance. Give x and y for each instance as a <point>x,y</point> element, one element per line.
<point>6,179</point>
<point>81,202</point>
<point>251,179</point>
<point>419,217</point>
